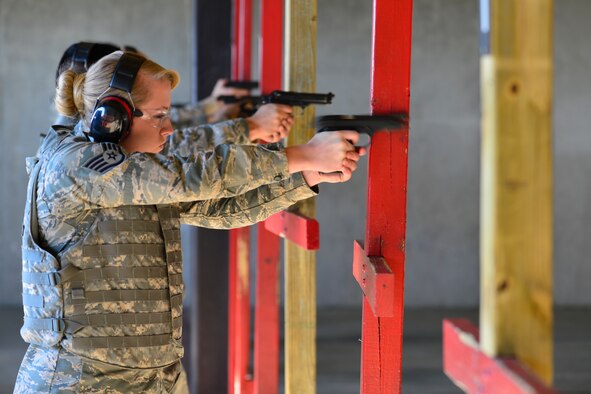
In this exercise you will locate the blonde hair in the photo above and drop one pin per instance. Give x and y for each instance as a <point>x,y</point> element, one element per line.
<point>76,94</point>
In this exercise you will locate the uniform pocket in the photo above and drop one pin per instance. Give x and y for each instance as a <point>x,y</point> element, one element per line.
<point>98,377</point>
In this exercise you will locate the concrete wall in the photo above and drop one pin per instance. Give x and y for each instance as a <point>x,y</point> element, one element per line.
<point>442,245</point>
<point>33,36</point>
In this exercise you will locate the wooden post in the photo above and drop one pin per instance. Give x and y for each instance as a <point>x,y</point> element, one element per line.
<point>385,239</point>
<point>300,264</point>
<point>241,45</point>
<point>239,376</point>
<point>239,368</point>
<point>516,184</point>
<point>513,351</point>
<point>266,325</point>
<point>475,372</point>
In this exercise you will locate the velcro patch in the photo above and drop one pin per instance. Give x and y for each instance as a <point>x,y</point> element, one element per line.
<point>111,156</point>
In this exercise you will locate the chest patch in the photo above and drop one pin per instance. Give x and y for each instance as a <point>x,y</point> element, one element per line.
<point>111,156</point>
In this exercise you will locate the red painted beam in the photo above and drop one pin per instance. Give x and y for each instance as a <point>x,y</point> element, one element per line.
<point>301,230</point>
<point>381,351</point>
<point>266,335</point>
<point>266,315</point>
<point>475,372</point>
<point>239,378</point>
<point>239,351</point>
<point>376,280</point>
<point>241,39</point>
<point>271,46</point>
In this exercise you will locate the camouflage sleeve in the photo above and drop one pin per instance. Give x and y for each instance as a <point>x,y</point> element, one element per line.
<point>206,137</point>
<point>83,175</point>
<point>248,208</point>
<point>190,115</point>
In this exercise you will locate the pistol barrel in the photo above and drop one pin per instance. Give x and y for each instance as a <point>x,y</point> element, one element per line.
<point>366,124</point>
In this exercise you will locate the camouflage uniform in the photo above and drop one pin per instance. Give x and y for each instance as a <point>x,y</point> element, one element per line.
<point>188,115</point>
<point>189,140</point>
<point>102,272</point>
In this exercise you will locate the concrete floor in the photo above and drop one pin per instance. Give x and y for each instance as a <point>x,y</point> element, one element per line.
<point>338,350</point>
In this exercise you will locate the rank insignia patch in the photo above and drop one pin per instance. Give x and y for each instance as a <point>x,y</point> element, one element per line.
<point>112,156</point>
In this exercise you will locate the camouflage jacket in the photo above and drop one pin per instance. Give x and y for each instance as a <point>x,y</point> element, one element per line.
<point>191,140</point>
<point>190,115</point>
<point>102,265</point>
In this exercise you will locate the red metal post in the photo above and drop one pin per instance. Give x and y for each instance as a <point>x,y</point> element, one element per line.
<point>385,238</point>
<point>266,332</point>
<point>239,376</point>
<point>475,372</point>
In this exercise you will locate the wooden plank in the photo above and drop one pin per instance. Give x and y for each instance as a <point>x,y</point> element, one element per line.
<point>386,196</point>
<point>300,264</point>
<point>266,334</point>
<point>271,46</point>
<point>475,372</point>
<point>376,280</point>
<point>241,43</point>
<point>298,229</point>
<point>239,350</point>
<point>516,184</point>
<point>239,376</point>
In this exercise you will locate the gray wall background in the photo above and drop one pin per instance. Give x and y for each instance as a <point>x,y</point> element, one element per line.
<point>442,245</point>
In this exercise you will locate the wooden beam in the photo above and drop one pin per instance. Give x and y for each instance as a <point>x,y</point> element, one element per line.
<point>300,264</point>
<point>516,183</point>
<point>266,329</point>
<point>376,281</point>
<point>241,43</point>
<point>300,230</point>
<point>381,351</point>
<point>240,375</point>
<point>239,371</point>
<point>474,372</point>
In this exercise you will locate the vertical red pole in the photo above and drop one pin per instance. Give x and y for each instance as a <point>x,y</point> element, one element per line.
<point>271,45</point>
<point>241,45</point>
<point>239,378</point>
<point>381,363</point>
<point>266,335</point>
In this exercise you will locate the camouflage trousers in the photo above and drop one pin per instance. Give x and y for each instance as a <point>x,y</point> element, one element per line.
<point>54,370</point>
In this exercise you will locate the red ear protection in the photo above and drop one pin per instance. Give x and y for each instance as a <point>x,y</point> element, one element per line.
<point>113,115</point>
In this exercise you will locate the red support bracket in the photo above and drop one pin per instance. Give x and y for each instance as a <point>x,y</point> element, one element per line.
<point>301,230</point>
<point>376,280</point>
<point>475,372</point>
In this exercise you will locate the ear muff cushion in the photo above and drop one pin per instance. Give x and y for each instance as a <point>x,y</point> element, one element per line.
<point>111,120</point>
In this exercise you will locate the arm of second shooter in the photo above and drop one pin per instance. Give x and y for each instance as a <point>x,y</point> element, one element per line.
<point>188,141</point>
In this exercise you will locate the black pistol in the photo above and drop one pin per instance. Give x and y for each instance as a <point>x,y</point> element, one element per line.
<point>248,85</point>
<point>294,99</point>
<point>363,124</point>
